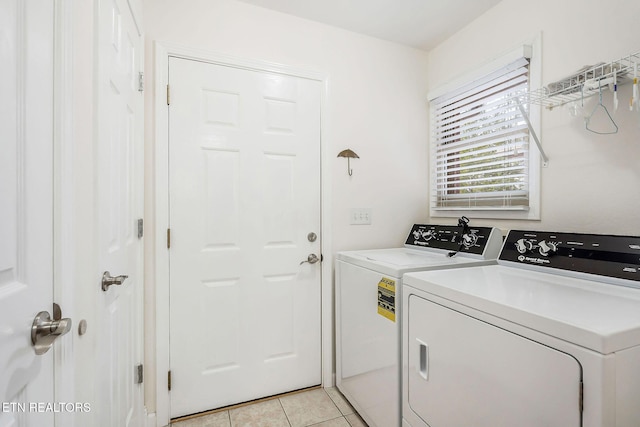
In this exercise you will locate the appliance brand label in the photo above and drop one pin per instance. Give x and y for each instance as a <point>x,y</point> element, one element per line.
<point>523,258</point>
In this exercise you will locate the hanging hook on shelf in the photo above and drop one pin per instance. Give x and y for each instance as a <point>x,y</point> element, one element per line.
<point>634,96</point>
<point>600,106</point>
<point>615,90</point>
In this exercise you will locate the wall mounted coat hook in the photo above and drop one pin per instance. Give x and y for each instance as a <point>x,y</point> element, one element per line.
<point>349,154</point>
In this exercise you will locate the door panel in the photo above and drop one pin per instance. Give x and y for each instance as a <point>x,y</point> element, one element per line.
<point>26,205</point>
<point>119,192</point>
<point>244,150</point>
<point>473,373</point>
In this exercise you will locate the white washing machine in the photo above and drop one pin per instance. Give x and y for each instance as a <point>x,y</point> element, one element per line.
<point>368,315</point>
<point>550,336</point>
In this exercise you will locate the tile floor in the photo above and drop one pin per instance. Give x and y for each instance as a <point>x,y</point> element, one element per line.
<point>318,408</point>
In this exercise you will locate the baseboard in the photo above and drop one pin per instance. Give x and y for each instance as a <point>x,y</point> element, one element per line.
<point>151,420</point>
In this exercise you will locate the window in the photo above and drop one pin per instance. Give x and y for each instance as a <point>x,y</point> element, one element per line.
<point>480,156</point>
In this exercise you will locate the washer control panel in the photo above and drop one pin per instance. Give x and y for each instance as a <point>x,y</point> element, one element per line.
<point>604,255</point>
<point>449,237</point>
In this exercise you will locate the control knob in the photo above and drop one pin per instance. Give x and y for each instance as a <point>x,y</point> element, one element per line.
<point>416,234</point>
<point>470,239</point>
<point>523,246</point>
<point>428,235</point>
<point>547,248</point>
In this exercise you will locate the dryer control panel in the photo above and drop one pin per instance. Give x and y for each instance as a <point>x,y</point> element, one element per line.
<point>603,255</point>
<point>473,240</point>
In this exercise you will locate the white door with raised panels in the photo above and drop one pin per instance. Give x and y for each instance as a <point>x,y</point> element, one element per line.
<point>26,208</point>
<point>119,178</point>
<point>244,172</point>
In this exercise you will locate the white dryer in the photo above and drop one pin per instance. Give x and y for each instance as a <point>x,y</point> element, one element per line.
<point>550,336</point>
<point>368,315</point>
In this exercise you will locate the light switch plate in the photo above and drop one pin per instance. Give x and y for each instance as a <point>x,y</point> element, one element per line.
<point>361,216</point>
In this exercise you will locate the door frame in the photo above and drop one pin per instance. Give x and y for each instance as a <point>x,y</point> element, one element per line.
<point>64,235</point>
<point>162,52</point>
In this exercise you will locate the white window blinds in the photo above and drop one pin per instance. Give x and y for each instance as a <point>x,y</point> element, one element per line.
<point>480,144</point>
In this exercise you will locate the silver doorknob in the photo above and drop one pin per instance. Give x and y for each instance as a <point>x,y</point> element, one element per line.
<point>311,259</point>
<point>44,330</point>
<point>107,280</point>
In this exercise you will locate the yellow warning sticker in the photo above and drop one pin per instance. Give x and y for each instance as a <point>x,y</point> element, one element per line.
<point>387,298</point>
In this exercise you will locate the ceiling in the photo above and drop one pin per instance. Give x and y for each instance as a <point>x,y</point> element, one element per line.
<point>422,24</point>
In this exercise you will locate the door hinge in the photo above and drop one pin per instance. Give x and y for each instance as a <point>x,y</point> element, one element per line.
<point>140,81</point>
<point>169,380</point>
<point>140,228</point>
<point>139,374</point>
<point>168,238</point>
<point>581,397</point>
<point>168,95</point>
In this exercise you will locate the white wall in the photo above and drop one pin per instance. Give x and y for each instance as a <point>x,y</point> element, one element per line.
<point>376,106</point>
<point>592,183</point>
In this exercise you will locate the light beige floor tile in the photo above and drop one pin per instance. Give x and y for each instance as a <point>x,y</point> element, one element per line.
<point>263,414</point>
<point>355,420</point>
<point>342,403</point>
<point>336,422</point>
<point>308,408</point>
<point>219,419</point>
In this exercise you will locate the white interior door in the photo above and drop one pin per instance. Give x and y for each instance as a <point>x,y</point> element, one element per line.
<point>26,206</point>
<point>119,206</point>
<point>244,176</point>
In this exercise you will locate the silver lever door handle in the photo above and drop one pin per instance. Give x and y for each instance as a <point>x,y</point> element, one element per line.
<point>107,280</point>
<point>311,259</point>
<point>44,331</point>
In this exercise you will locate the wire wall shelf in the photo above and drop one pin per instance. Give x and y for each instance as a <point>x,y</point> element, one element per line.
<point>586,82</point>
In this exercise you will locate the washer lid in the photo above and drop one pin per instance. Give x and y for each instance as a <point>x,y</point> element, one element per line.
<point>598,316</point>
<point>397,261</point>
<point>406,258</point>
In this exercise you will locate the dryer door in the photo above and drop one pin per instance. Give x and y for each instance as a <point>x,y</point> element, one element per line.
<point>465,372</point>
